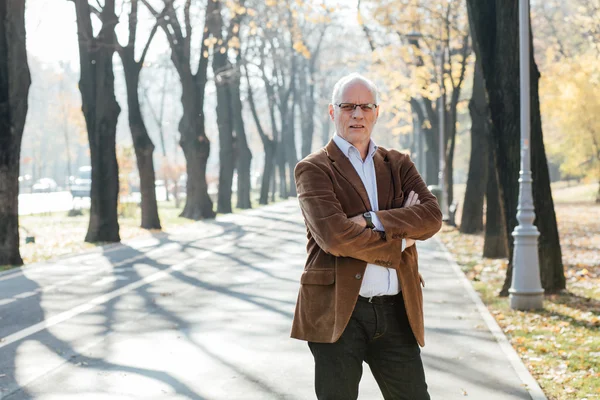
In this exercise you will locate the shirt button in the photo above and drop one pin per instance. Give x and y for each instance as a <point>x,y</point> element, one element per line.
<point>358,276</point>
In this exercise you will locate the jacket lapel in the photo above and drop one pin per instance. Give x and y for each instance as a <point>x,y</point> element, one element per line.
<point>384,178</point>
<point>345,168</point>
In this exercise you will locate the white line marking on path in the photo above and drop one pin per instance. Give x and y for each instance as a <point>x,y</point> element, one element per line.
<point>25,295</point>
<point>66,315</point>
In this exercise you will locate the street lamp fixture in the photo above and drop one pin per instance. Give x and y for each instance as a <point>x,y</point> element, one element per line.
<point>526,291</point>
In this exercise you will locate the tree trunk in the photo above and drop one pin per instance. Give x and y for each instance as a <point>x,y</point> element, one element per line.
<point>101,111</point>
<point>142,144</point>
<point>291,154</point>
<point>227,160</point>
<point>198,204</point>
<point>280,159</point>
<point>306,101</point>
<point>15,81</point>
<point>494,244</point>
<point>432,160</point>
<point>274,177</point>
<point>268,144</point>
<point>494,24</point>
<point>472,211</point>
<point>196,149</point>
<point>243,153</point>
<point>325,130</point>
<point>425,111</point>
<point>450,146</point>
<point>268,171</point>
<point>451,119</point>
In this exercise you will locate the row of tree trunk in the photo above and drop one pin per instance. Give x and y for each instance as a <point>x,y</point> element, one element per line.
<point>495,109</point>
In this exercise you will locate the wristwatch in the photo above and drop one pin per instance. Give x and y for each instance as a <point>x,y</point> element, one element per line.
<point>367,217</point>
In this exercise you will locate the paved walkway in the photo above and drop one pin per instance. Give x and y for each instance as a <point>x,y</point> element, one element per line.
<point>205,313</point>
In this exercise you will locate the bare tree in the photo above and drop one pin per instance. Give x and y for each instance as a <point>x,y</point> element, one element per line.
<point>194,142</point>
<point>234,152</point>
<point>269,145</point>
<point>142,144</point>
<point>307,80</point>
<point>101,111</point>
<point>14,88</point>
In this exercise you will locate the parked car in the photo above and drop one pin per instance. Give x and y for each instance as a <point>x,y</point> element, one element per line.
<point>25,184</point>
<point>44,185</point>
<point>81,185</point>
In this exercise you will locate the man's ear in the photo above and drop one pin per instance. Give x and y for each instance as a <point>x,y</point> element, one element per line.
<point>331,110</point>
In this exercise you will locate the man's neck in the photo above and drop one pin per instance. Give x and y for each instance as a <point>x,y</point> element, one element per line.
<point>362,147</point>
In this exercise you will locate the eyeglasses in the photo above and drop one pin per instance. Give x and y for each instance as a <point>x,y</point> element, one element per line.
<point>350,107</point>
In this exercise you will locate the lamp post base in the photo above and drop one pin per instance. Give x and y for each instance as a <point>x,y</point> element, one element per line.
<point>526,300</point>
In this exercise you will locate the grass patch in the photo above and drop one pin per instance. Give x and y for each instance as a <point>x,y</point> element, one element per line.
<point>560,345</point>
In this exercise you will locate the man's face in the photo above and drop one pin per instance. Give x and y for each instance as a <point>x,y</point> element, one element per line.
<point>355,126</point>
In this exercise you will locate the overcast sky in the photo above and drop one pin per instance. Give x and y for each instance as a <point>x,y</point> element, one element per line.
<point>51,31</point>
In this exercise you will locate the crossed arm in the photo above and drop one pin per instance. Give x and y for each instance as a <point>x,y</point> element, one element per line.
<point>339,235</point>
<point>411,200</point>
<point>419,221</point>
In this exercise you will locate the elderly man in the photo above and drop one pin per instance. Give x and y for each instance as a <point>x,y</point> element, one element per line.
<point>360,297</point>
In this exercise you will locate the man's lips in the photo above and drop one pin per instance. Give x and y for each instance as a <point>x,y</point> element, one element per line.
<point>357,126</point>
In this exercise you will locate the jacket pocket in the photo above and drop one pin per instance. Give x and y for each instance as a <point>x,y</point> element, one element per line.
<point>318,276</point>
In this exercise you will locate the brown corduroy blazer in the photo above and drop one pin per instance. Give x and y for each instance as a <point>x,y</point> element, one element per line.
<point>329,192</point>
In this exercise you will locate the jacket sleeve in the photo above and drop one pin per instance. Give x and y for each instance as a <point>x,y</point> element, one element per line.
<point>418,222</point>
<point>331,228</point>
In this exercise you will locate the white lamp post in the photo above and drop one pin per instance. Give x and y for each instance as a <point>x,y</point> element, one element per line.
<point>442,123</point>
<point>526,291</point>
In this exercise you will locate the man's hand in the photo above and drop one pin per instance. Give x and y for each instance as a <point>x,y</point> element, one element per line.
<point>411,200</point>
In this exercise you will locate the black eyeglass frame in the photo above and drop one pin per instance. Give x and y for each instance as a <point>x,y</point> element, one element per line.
<point>370,106</point>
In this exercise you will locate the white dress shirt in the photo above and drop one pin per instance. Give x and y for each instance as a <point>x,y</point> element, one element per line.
<point>377,280</point>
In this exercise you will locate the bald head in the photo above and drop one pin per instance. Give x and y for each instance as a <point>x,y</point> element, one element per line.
<point>354,77</point>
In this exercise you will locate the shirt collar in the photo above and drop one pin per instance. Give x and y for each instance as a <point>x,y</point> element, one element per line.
<point>347,148</point>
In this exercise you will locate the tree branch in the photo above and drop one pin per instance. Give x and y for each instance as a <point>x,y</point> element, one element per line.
<point>188,27</point>
<point>96,11</point>
<point>147,46</point>
<point>133,18</point>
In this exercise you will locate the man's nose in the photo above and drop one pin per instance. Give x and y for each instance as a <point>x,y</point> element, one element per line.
<point>357,113</point>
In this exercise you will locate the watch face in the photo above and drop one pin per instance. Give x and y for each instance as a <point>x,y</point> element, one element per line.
<point>367,217</point>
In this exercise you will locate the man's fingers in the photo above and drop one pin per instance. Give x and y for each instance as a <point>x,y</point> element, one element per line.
<point>412,199</point>
<point>409,200</point>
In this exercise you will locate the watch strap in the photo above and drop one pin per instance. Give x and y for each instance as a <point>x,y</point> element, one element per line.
<point>367,216</point>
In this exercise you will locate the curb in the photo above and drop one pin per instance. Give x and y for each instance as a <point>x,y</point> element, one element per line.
<point>533,388</point>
